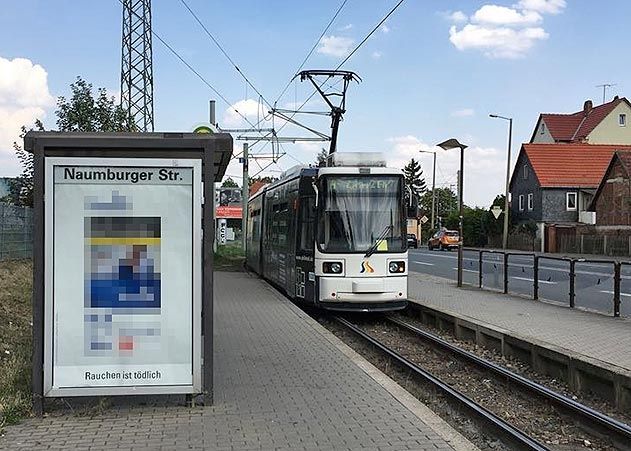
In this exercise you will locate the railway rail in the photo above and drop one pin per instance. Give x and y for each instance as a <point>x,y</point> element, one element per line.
<point>618,432</point>
<point>507,432</point>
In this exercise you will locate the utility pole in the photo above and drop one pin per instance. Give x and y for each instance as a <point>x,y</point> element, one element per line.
<point>245,188</point>
<point>506,212</point>
<point>136,64</point>
<point>433,220</point>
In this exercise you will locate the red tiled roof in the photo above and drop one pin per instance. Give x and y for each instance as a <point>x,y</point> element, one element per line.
<point>570,165</point>
<point>576,126</point>
<point>256,186</point>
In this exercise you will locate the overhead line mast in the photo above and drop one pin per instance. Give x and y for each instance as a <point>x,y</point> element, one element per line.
<point>137,64</point>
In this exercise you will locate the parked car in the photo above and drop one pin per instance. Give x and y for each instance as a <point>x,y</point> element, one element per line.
<point>412,241</point>
<point>444,240</point>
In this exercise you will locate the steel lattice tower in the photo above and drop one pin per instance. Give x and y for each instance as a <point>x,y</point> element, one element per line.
<point>136,64</point>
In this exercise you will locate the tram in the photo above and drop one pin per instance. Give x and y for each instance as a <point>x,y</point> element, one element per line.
<point>335,236</point>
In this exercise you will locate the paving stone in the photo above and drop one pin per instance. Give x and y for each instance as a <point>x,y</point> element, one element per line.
<point>279,383</point>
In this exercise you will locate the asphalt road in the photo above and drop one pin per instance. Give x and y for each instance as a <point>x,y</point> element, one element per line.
<point>593,283</point>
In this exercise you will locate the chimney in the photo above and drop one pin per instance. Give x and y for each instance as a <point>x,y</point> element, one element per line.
<point>616,98</point>
<point>587,107</point>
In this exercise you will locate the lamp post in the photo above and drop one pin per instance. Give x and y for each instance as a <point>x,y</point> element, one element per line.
<point>433,187</point>
<point>510,136</point>
<point>447,145</point>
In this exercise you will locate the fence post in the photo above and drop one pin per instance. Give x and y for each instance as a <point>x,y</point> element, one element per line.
<point>582,244</point>
<point>535,276</point>
<point>505,272</point>
<point>572,277</point>
<point>480,269</point>
<point>616,289</point>
<point>604,244</point>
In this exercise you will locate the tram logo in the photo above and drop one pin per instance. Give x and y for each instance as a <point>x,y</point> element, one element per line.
<point>366,267</point>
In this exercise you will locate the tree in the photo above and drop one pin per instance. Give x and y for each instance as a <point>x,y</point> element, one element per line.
<point>266,179</point>
<point>85,113</point>
<point>446,202</point>
<point>322,157</point>
<point>413,174</point>
<point>229,183</point>
<point>82,113</point>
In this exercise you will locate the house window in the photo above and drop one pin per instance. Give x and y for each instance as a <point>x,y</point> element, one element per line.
<point>543,128</point>
<point>525,171</point>
<point>570,201</point>
<point>622,120</point>
<point>530,202</point>
<point>521,202</point>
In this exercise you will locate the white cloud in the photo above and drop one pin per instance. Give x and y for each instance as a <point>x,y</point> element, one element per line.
<point>346,27</point>
<point>377,54</point>
<point>457,17</point>
<point>335,45</point>
<point>24,97</point>
<point>503,32</point>
<point>500,42</point>
<point>483,167</point>
<point>385,28</point>
<point>501,15</point>
<point>249,108</point>
<point>542,6</point>
<point>463,112</point>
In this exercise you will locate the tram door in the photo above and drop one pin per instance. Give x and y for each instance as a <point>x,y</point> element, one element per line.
<point>305,242</point>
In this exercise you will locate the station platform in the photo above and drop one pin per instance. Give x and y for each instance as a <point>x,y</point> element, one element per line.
<point>281,382</point>
<point>590,351</point>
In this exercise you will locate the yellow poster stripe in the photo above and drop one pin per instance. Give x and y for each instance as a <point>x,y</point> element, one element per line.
<point>129,240</point>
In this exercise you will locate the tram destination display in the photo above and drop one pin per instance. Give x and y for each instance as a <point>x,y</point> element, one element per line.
<point>123,297</point>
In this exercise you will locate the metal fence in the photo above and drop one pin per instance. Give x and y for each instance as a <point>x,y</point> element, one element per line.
<point>591,284</point>
<point>16,232</point>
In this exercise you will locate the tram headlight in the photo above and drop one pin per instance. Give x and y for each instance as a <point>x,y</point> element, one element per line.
<point>332,267</point>
<point>396,267</point>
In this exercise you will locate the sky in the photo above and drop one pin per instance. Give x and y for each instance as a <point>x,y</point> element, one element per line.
<point>434,70</point>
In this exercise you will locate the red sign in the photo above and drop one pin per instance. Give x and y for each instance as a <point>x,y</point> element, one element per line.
<point>229,212</point>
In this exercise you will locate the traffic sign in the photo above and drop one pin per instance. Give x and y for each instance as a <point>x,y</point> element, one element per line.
<point>424,219</point>
<point>496,210</point>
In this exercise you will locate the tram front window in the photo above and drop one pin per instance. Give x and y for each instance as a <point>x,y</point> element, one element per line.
<point>356,212</point>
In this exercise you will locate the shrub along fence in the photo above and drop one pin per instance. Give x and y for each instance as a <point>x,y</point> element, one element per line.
<point>16,232</point>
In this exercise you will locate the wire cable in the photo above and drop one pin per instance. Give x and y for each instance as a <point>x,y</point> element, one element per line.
<point>312,49</point>
<point>234,64</point>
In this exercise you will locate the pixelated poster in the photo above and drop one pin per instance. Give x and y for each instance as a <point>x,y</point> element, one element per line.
<point>123,276</point>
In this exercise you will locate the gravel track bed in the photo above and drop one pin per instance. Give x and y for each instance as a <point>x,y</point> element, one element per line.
<point>522,368</point>
<point>425,392</point>
<point>534,416</point>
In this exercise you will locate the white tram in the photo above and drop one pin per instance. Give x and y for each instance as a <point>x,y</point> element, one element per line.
<point>334,237</point>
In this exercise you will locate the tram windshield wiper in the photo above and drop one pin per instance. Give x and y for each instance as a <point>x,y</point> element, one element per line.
<point>371,250</point>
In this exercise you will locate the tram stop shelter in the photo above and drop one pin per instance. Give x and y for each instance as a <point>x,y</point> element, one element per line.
<point>122,262</point>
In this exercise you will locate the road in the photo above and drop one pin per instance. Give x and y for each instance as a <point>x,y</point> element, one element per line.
<point>593,283</point>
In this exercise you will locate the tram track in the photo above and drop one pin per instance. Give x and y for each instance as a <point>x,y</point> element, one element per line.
<point>590,419</point>
<point>509,434</point>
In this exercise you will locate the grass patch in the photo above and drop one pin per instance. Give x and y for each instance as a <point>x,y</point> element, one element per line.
<point>16,278</point>
<point>229,257</point>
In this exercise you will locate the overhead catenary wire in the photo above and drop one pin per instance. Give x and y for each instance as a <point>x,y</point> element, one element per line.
<point>312,49</point>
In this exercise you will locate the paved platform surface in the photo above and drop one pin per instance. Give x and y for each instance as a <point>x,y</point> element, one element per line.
<point>594,336</point>
<point>282,382</point>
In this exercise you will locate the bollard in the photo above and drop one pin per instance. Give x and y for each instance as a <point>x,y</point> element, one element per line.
<point>616,289</point>
<point>572,277</point>
<point>535,277</point>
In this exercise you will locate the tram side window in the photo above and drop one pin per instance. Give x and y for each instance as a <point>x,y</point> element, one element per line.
<point>255,233</point>
<point>307,222</point>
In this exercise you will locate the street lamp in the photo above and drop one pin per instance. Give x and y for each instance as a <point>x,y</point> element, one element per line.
<point>510,135</point>
<point>447,145</point>
<point>433,186</point>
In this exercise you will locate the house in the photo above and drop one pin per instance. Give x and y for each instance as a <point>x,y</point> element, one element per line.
<point>612,201</point>
<point>554,184</point>
<point>603,124</point>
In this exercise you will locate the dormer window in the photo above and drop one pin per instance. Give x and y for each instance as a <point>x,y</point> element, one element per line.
<point>622,120</point>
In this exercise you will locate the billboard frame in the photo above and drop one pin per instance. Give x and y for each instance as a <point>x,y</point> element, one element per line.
<point>214,152</point>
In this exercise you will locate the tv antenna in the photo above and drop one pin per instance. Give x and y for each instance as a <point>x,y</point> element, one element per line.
<point>337,111</point>
<point>605,86</point>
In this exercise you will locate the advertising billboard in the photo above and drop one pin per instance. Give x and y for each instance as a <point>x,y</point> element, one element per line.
<point>123,296</point>
<point>229,203</point>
